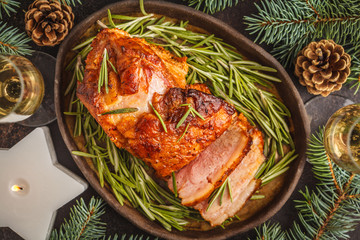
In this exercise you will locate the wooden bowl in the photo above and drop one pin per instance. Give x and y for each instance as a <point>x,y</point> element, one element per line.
<point>286,90</point>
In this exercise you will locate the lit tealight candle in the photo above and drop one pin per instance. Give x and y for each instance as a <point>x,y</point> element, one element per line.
<point>33,186</point>
<point>19,187</point>
<point>16,188</point>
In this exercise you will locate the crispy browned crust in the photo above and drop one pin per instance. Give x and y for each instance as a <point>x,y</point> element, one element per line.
<point>162,150</point>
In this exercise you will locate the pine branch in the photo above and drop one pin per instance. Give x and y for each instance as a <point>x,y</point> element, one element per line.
<point>212,6</point>
<point>84,222</point>
<point>354,78</point>
<point>69,2</point>
<point>8,6</point>
<point>288,21</point>
<point>136,237</point>
<point>287,53</point>
<point>12,41</point>
<point>333,208</point>
<point>281,21</point>
<point>131,237</point>
<point>269,231</point>
<point>331,211</point>
<point>291,25</point>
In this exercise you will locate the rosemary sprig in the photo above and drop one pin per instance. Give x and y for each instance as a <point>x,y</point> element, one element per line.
<point>83,53</point>
<point>84,154</point>
<point>182,135</point>
<point>182,120</point>
<point>78,75</point>
<point>219,192</point>
<point>112,66</point>
<point>257,197</point>
<point>70,2</point>
<point>174,184</point>
<point>119,111</point>
<point>190,110</point>
<point>278,168</point>
<point>103,76</point>
<point>133,183</point>
<point>159,116</point>
<point>83,44</point>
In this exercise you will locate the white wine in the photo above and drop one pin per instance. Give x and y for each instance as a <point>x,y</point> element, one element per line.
<point>342,138</point>
<point>10,91</point>
<point>21,88</point>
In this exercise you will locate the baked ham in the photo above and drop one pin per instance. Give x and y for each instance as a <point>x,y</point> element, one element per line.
<point>242,182</point>
<point>197,180</point>
<point>146,73</point>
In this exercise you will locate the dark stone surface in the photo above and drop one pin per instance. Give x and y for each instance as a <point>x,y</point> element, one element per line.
<point>11,133</point>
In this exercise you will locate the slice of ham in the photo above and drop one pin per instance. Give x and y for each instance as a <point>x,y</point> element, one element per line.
<point>242,184</point>
<point>197,180</point>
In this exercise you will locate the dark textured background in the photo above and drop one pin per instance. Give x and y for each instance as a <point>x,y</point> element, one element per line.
<point>11,133</point>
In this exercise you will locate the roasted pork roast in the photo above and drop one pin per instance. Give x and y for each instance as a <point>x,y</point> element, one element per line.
<point>203,151</point>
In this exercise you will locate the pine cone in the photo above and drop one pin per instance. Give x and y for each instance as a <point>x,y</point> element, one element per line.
<point>322,67</point>
<point>48,22</point>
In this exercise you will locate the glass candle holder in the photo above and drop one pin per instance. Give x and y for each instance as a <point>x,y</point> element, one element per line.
<point>342,138</point>
<point>21,88</point>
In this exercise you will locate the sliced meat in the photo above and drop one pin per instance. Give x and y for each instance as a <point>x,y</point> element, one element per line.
<point>196,181</point>
<point>242,185</point>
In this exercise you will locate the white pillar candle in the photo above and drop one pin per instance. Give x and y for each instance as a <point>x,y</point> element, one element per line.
<point>33,185</point>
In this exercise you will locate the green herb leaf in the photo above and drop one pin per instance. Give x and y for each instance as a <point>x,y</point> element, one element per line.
<point>119,111</point>
<point>159,116</point>
<point>84,154</point>
<point>112,66</point>
<point>190,110</point>
<point>187,126</point>
<point>110,19</point>
<point>84,44</point>
<point>174,184</point>
<point>182,120</point>
<point>219,192</point>
<point>257,197</point>
<point>197,113</point>
<point>103,76</point>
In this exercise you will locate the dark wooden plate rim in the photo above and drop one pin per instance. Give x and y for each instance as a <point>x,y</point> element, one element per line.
<point>286,89</point>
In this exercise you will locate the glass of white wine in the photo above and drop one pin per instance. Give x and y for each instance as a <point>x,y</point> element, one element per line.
<point>342,138</point>
<point>21,88</point>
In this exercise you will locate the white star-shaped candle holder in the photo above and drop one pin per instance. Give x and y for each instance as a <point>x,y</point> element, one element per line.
<point>33,185</point>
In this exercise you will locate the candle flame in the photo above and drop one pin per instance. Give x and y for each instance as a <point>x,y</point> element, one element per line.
<point>16,188</point>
